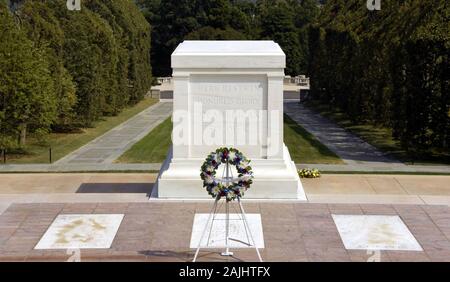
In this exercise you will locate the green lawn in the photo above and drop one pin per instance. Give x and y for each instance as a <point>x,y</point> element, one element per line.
<point>304,148</point>
<point>378,136</point>
<point>152,148</point>
<point>64,143</point>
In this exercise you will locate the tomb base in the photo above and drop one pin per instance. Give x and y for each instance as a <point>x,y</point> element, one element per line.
<point>274,179</point>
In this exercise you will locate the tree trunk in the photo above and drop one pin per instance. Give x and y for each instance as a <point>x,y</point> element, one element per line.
<point>23,134</point>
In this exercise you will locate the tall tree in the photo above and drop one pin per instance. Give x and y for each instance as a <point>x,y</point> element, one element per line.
<point>27,102</point>
<point>175,21</point>
<point>44,30</point>
<point>387,67</point>
<point>277,23</point>
<point>64,69</point>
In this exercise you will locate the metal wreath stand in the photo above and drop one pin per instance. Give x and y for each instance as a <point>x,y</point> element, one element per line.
<point>227,178</point>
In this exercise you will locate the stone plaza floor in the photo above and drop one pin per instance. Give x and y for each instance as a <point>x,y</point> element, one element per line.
<point>158,230</point>
<point>161,231</point>
<point>135,187</point>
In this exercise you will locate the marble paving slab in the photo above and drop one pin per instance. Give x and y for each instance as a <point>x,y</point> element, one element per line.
<point>215,234</point>
<point>375,232</point>
<point>81,231</point>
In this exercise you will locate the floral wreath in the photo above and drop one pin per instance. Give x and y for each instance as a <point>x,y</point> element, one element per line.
<point>238,186</point>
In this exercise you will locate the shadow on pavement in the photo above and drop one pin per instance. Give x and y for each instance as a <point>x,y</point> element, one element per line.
<point>115,188</point>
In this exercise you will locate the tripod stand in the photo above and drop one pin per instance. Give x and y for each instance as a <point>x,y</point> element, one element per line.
<point>227,177</point>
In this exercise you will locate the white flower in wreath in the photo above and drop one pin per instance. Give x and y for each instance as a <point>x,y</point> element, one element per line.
<point>210,168</point>
<point>243,164</point>
<point>217,157</point>
<point>209,180</point>
<point>245,177</point>
<point>232,156</point>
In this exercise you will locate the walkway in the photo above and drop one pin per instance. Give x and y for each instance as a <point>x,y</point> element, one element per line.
<point>160,230</point>
<point>379,167</point>
<point>136,187</point>
<point>379,189</point>
<point>108,147</point>
<point>155,167</point>
<point>79,167</point>
<point>350,148</point>
<point>156,231</point>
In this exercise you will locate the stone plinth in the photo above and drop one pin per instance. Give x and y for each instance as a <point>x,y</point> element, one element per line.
<point>229,93</point>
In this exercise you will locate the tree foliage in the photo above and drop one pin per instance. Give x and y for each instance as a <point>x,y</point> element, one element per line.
<point>388,67</point>
<point>44,30</point>
<point>277,23</point>
<point>283,21</point>
<point>28,100</point>
<point>68,68</point>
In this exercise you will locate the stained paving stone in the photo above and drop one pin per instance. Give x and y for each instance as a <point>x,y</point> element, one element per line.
<point>278,211</point>
<point>282,240</point>
<point>170,240</point>
<point>15,256</point>
<point>161,231</point>
<point>6,233</point>
<point>203,207</point>
<point>145,208</point>
<point>318,211</point>
<point>278,221</point>
<point>405,256</point>
<point>409,210</point>
<point>27,232</point>
<point>322,253</point>
<point>439,255</point>
<point>111,208</point>
<point>21,209</point>
<point>12,221</point>
<point>344,209</point>
<point>79,208</point>
<point>18,244</point>
<point>323,240</point>
<point>290,254</point>
<point>440,218</point>
<point>181,208</point>
<point>379,210</point>
<point>50,207</point>
<point>422,227</point>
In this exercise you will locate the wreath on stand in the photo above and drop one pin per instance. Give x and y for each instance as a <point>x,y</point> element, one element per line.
<point>233,187</point>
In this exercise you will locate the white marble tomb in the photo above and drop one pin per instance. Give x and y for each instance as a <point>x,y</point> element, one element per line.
<point>229,93</point>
